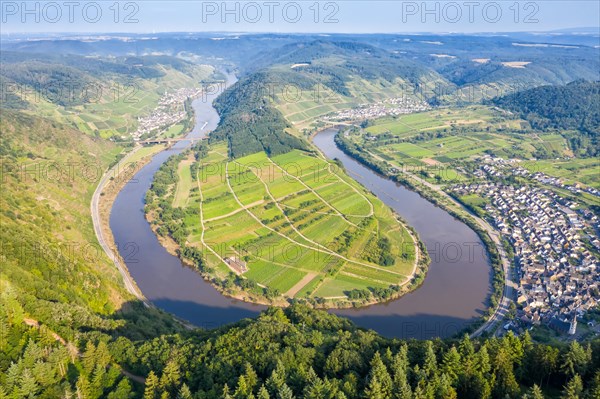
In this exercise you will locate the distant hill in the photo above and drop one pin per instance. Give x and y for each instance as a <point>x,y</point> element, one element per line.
<point>336,64</point>
<point>471,67</point>
<point>51,74</point>
<point>101,96</point>
<point>519,72</point>
<point>572,107</point>
<point>300,82</point>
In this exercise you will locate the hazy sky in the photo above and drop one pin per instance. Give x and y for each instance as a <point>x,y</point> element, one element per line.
<point>357,16</point>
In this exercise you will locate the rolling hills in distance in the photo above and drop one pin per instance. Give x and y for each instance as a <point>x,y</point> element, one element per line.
<point>111,345</point>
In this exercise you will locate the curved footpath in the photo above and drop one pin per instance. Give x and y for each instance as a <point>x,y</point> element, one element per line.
<point>72,348</point>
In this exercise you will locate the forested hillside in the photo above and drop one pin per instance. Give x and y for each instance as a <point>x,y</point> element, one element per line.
<point>53,272</point>
<point>291,353</point>
<point>98,96</point>
<point>250,123</point>
<point>573,107</point>
<point>337,63</point>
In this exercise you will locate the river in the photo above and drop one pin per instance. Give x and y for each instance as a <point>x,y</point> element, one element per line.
<point>453,294</point>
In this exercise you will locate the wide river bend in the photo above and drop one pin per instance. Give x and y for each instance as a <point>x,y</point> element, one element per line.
<point>453,294</point>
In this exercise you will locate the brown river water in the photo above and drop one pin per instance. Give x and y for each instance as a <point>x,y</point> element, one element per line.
<point>454,293</point>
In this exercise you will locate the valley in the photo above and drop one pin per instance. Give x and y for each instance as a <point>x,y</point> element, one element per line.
<point>346,216</point>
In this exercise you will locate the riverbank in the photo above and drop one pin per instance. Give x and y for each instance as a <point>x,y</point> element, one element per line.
<point>167,223</point>
<point>100,207</point>
<point>441,307</point>
<point>502,285</point>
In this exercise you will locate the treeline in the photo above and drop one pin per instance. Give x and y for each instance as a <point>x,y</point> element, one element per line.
<point>290,353</point>
<point>303,353</point>
<point>249,123</point>
<point>575,106</point>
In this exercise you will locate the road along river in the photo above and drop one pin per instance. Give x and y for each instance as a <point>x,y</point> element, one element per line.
<point>453,294</point>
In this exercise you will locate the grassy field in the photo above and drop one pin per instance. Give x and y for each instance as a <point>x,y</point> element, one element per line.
<point>442,118</point>
<point>184,184</point>
<point>302,227</point>
<point>435,144</point>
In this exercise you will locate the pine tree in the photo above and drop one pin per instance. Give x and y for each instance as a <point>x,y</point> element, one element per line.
<point>574,388</point>
<point>540,363</point>
<point>444,389</point>
<point>263,393</point>
<point>526,342</point>
<point>277,378</point>
<point>387,357</point>
<point>98,381</point>
<point>575,360</point>
<point>419,392</point>
<point>28,385</point>
<point>467,353</point>
<point>466,348</point>
<point>482,361</point>
<point>170,376</point>
<point>13,374</point>
<point>535,393</point>
<point>102,354</point>
<point>242,390</point>
<point>451,364</point>
<point>250,376</point>
<point>400,386</point>
<point>184,392</point>
<point>89,357</point>
<point>44,373</point>
<point>285,392</point>
<point>514,346</point>
<point>506,383</point>
<point>430,362</point>
<point>152,386</point>
<point>316,389</point>
<point>379,382</point>
<point>83,387</point>
<point>226,394</point>
<point>32,354</point>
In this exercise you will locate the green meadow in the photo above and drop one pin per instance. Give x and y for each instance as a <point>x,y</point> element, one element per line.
<point>301,226</point>
<point>436,144</point>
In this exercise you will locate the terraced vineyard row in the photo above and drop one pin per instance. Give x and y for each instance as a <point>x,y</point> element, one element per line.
<point>294,223</point>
